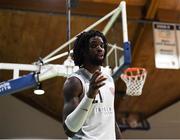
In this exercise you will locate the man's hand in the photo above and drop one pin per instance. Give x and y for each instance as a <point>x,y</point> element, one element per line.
<point>96,82</point>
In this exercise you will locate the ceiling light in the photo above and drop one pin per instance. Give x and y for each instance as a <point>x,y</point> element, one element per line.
<point>39,90</point>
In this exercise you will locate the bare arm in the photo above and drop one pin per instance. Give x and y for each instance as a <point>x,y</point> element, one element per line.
<point>72,95</point>
<point>72,91</point>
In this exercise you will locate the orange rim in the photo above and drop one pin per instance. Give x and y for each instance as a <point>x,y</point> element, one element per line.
<point>124,75</point>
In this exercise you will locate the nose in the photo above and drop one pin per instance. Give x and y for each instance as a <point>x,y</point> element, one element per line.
<point>100,48</point>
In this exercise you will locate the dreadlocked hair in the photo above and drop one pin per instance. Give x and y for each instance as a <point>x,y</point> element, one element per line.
<point>81,45</point>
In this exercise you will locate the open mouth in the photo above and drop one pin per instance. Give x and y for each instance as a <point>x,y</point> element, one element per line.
<point>100,56</point>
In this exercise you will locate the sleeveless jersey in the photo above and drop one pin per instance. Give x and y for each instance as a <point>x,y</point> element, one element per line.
<point>100,123</point>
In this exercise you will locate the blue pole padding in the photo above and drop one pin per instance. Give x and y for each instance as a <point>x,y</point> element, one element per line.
<point>127,60</point>
<point>17,85</point>
<point>127,53</point>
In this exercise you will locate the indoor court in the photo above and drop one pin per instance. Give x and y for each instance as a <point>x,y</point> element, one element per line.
<point>143,58</point>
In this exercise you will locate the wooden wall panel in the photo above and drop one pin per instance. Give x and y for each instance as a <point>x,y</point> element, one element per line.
<point>169,5</point>
<point>129,2</point>
<point>168,16</point>
<point>4,27</point>
<point>37,5</point>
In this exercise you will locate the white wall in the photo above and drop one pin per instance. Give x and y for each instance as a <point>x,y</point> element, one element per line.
<point>19,120</point>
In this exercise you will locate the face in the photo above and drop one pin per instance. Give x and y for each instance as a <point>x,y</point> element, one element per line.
<point>96,50</point>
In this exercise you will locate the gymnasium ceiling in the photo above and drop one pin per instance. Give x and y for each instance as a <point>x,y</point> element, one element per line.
<point>161,88</point>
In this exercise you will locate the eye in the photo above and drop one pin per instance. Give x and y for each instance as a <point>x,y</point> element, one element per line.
<point>93,45</point>
<point>102,45</point>
<point>96,44</point>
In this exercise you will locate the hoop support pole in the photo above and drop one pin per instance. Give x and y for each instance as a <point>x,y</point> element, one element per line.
<point>57,57</point>
<point>31,80</point>
<point>112,20</point>
<point>17,85</point>
<point>124,22</point>
<point>87,29</point>
<point>127,60</point>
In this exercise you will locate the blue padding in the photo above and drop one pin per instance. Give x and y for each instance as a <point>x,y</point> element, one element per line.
<point>127,60</point>
<point>16,85</point>
<point>127,53</point>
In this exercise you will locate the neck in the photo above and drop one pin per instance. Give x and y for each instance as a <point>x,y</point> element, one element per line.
<point>91,68</point>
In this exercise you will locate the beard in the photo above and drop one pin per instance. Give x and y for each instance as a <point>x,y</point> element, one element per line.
<point>96,61</point>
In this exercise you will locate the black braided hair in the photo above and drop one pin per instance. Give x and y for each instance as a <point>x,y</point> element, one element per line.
<point>81,45</point>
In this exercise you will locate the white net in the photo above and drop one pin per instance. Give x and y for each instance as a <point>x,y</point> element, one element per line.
<point>134,79</point>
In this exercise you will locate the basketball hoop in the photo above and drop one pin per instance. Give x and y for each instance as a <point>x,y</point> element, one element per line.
<point>134,79</point>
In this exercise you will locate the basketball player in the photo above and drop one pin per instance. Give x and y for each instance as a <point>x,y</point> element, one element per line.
<point>89,92</point>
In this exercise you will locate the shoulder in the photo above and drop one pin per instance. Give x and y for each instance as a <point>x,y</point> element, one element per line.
<point>72,87</point>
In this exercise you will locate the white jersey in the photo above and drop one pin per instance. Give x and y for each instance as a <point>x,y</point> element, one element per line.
<point>100,123</point>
